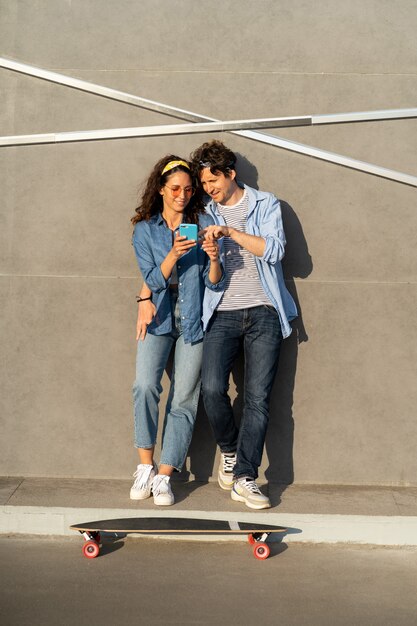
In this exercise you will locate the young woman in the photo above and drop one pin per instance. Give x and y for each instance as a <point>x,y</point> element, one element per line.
<point>176,272</point>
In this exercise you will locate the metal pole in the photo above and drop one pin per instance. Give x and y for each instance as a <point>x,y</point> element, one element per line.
<point>332,157</point>
<point>99,90</point>
<point>152,131</point>
<point>204,127</point>
<point>255,136</point>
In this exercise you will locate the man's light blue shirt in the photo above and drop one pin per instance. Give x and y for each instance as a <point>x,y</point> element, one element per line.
<point>264,219</point>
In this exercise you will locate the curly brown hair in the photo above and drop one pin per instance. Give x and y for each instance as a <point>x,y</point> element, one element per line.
<point>151,201</point>
<point>215,155</point>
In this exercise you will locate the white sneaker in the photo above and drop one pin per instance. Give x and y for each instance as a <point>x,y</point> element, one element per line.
<point>246,490</point>
<point>141,488</point>
<point>162,492</point>
<point>225,473</point>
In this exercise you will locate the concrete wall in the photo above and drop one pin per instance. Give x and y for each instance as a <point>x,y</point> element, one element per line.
<point>343,407</point>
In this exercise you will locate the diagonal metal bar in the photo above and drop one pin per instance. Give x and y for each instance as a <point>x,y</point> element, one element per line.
<point>100,90</point>
<point>158,107</point>
<point>332,157</point>
<point>249,134</point>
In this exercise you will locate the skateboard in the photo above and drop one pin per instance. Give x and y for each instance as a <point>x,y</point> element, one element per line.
<point>257,533</point>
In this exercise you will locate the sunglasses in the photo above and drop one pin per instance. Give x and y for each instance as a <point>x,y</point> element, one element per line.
<point>176,190</point>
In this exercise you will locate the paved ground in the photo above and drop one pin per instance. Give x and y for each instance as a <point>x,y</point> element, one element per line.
<point>147,581</point>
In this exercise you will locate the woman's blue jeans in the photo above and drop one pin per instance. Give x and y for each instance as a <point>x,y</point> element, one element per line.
<point>259,330</point>
<point>181,409</point>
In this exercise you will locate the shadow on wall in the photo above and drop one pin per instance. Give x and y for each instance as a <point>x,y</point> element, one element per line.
<point>297,263</point>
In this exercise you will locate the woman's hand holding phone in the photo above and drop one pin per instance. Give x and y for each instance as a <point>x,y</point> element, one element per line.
<point>182,245</point>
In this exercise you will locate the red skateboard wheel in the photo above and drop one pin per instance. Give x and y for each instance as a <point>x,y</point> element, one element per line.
<point>261,551</point>
<point>91,549</point>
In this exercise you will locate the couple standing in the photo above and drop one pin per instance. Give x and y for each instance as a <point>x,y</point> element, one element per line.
<point>230,290</point>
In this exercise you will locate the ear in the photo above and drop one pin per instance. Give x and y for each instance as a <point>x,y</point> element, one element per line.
<point>232,174</point>
<point>161,191</point>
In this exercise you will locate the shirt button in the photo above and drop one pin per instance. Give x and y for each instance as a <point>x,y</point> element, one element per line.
<point>182,300</point>
<point>180,284</point>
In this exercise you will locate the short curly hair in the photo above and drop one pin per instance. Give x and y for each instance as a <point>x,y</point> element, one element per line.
<point>216,156</point>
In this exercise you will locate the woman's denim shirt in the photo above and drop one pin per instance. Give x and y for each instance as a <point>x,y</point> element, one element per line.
<point>152,240</point>
<point>264,219</point>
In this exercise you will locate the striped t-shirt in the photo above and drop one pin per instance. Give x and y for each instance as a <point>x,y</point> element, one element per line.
<point>243,288</point>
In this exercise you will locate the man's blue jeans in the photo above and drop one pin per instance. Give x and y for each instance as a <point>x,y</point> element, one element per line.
<point>259,330</point>
<point>181,409</point>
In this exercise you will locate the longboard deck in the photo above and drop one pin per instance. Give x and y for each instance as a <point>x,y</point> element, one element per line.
<point>257,533</point>
<point>174,525</point>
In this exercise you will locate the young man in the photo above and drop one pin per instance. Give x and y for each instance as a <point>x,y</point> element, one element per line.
<point>254,309</point>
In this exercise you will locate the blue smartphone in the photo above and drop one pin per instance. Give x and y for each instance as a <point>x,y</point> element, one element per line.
<point>189,230</point>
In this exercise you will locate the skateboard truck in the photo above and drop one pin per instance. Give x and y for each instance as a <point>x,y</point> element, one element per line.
<point>91,547</point>
<point>261,550</point>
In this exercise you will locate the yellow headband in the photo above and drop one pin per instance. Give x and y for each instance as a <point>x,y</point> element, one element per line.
<point>172,164</point>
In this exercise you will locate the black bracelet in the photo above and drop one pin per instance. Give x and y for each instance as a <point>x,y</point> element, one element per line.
<point>139,299</point>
